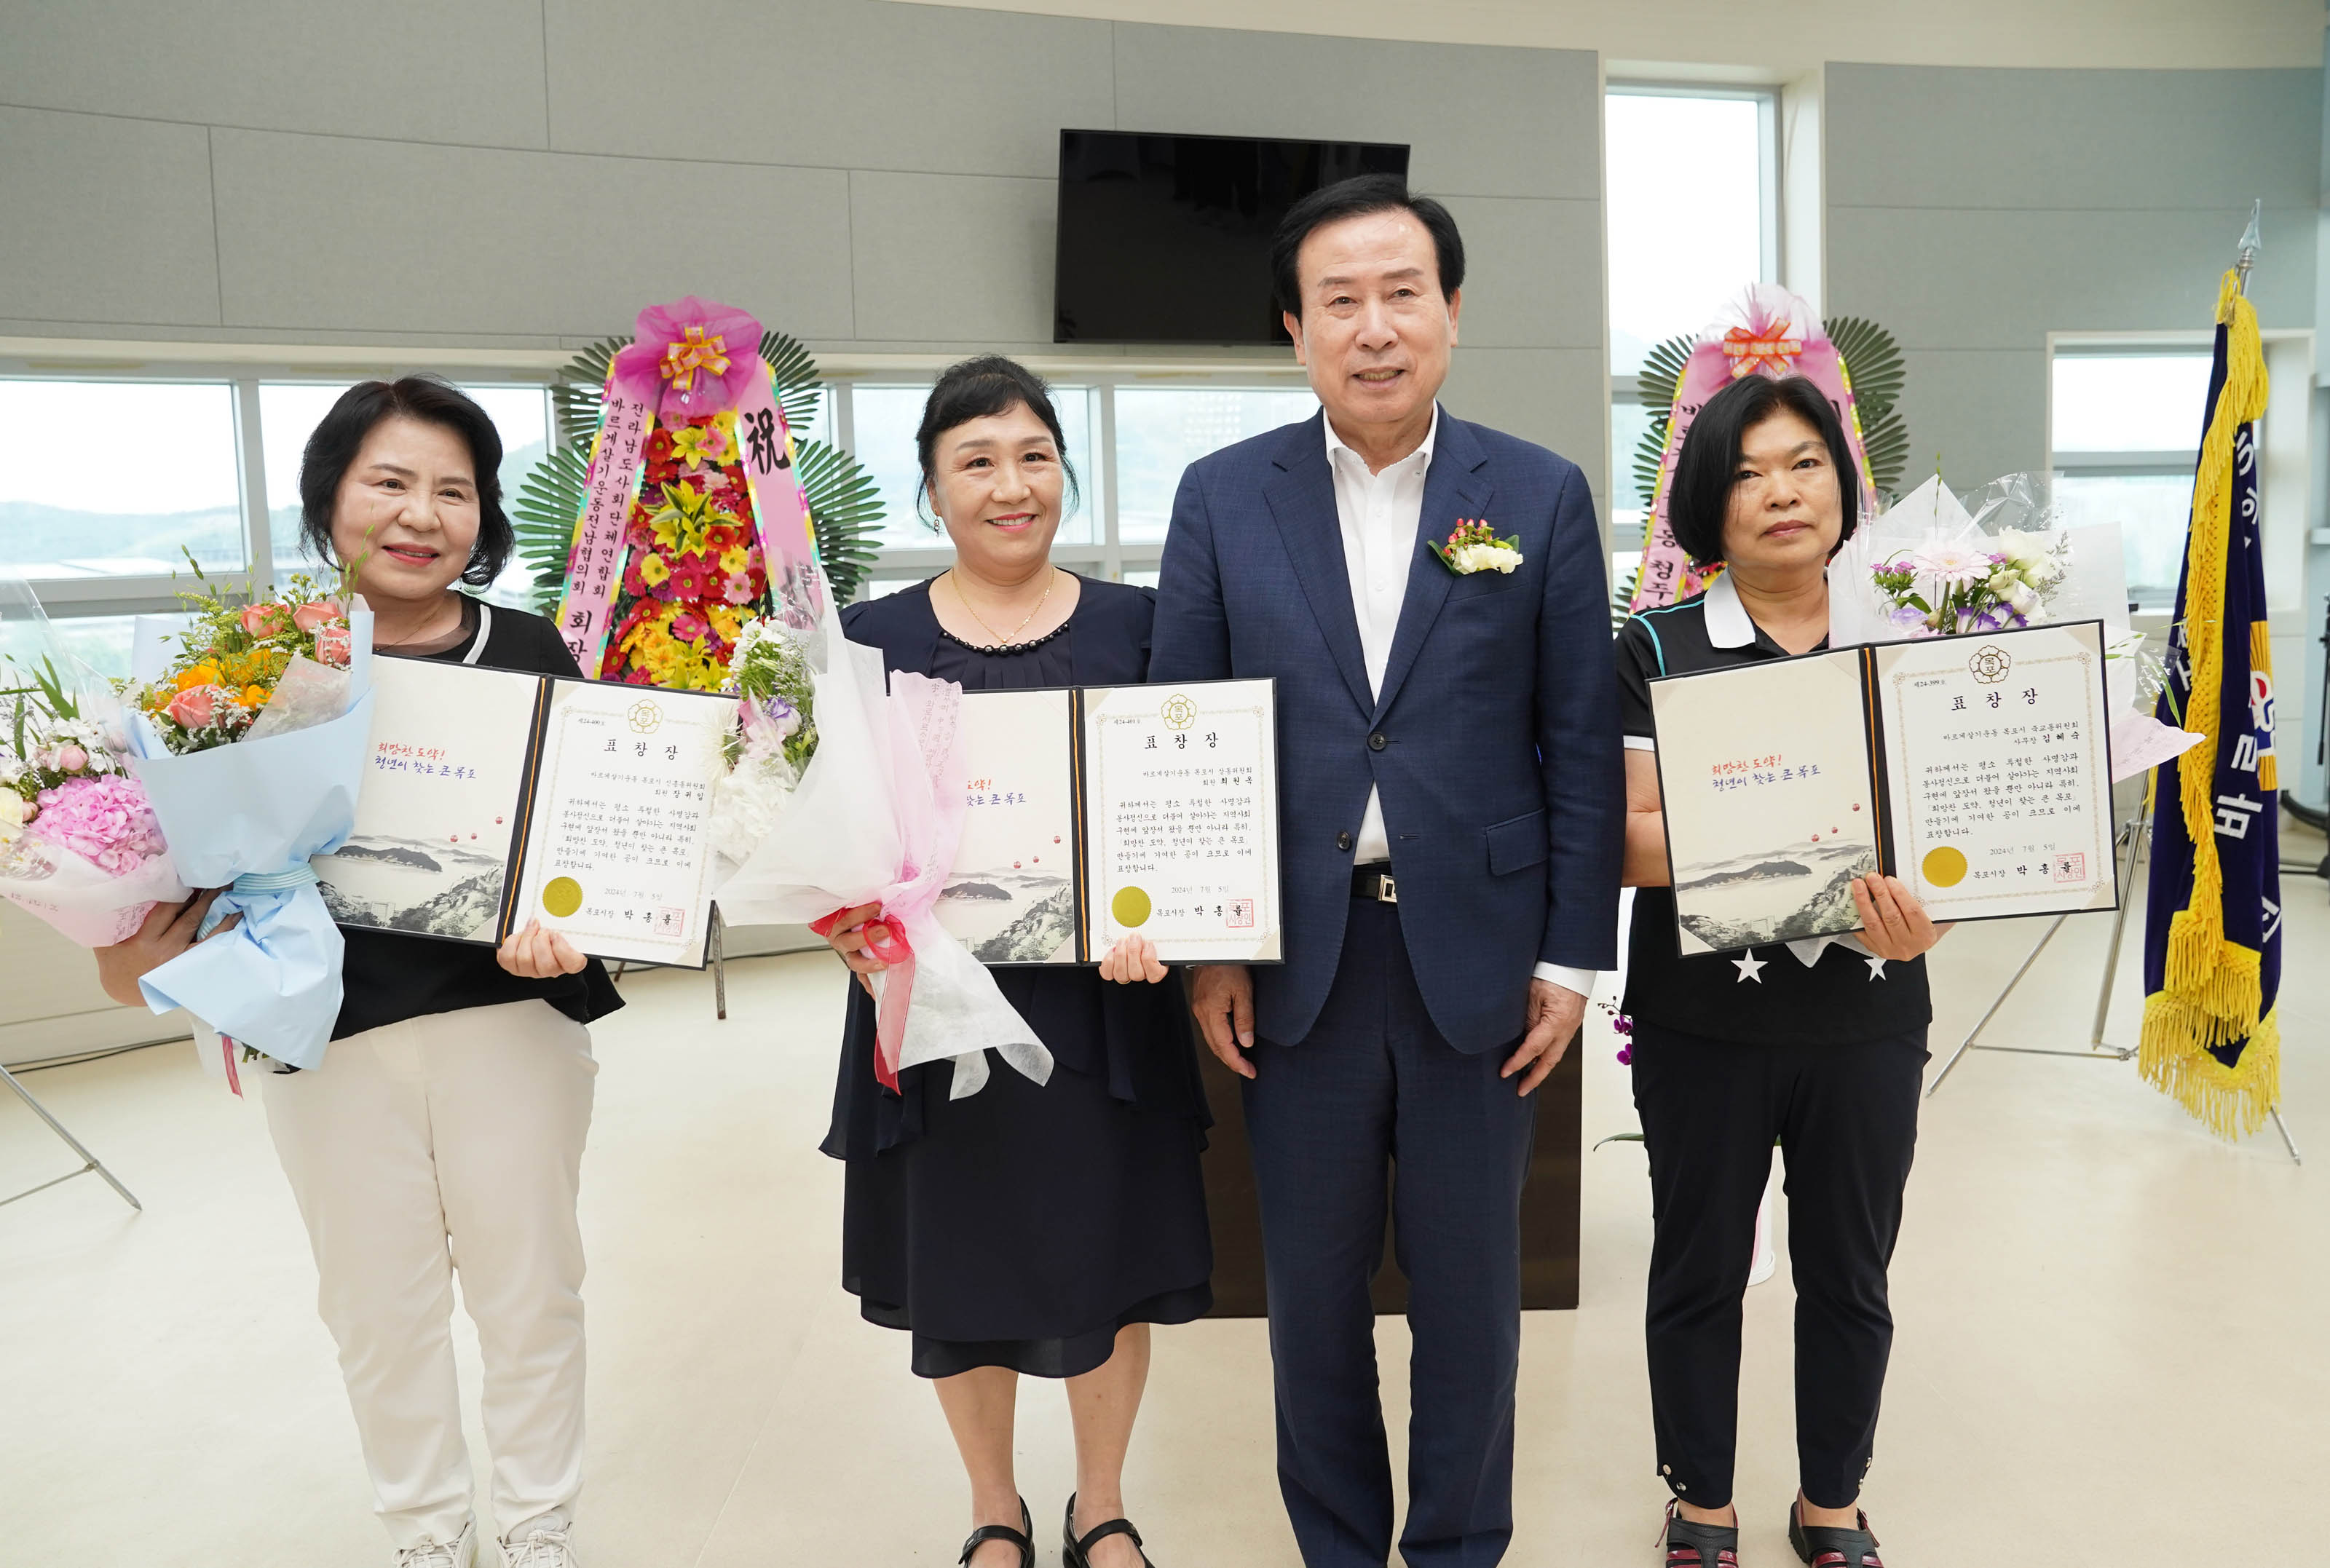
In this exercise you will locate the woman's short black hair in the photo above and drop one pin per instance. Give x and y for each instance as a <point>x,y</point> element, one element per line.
<point>1354,198</point>
<point>1708,464</point>
<point>979,389</point>
<point>341,435</point>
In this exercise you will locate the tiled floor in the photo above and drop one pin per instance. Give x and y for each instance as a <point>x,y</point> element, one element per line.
<point>2112,1344</point>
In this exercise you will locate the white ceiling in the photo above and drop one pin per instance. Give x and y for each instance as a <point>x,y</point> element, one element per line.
<point>1775,41</point>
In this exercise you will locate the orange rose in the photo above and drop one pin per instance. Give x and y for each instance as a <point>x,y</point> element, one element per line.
<point>200,676</point>
<point>253,696</point>
<point>317,614</point>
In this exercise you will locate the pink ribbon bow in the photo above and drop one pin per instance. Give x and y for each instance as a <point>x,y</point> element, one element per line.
<point>706,353</point>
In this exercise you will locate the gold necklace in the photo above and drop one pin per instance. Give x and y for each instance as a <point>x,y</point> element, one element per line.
<point>1000,640</point>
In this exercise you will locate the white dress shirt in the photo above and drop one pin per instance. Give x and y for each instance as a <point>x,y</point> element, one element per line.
<point>1378,515</point>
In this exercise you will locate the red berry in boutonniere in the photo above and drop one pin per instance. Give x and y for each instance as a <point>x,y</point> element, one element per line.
<point>1474,546</point>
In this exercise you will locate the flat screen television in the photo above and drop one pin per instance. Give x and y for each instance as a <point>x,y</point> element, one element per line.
<point>1166,238</point>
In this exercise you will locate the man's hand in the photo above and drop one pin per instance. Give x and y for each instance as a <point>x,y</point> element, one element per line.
<point>1222,996</point>
<point>167,931</point>
<point>535,954</point>
<point>1555,1013</point>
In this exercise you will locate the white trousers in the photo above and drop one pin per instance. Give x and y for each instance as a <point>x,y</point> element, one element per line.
<point>452,1142</point>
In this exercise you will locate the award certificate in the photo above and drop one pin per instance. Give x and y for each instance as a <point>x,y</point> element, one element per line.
<point>494,798</point>
<point>1099,812</point>
<point>1976,769</point>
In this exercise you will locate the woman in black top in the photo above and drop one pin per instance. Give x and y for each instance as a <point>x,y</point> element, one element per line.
<point>444,1128</point>
<point>1821,1048</point>
<point>1026,1229</point>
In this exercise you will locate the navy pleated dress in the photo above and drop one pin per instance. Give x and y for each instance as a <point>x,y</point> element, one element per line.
<point>1023,1226</point>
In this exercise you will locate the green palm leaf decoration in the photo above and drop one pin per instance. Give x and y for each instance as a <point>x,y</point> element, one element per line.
<point>845,508</point>
<point>1873,360</point>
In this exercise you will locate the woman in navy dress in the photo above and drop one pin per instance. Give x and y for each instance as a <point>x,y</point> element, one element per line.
<point>1027,1229</point>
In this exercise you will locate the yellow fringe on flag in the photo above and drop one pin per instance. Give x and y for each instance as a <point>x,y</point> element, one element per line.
<point>2212,992</point>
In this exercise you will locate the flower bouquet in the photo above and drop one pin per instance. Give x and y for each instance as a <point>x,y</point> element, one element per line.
<point>78,844</point>
<point>845,791</point>
<point>251,744</point>
<point>1945,590</point>
<point>1930,567</point>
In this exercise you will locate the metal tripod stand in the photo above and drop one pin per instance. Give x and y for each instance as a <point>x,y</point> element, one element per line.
<point>2130,843</point>
<point>90,1161</point>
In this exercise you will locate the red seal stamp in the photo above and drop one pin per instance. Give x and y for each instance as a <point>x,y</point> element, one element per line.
<point>1241,913</point>
<point>2069,867</point>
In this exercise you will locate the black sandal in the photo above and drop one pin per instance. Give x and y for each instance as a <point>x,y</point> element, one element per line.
<point>1072,1550</point>
<point>1830,1546</point>
<point>1690,1545</point>
<point>1023,1537</point>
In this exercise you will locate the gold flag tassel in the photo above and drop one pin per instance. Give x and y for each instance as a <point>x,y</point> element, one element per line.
<point>2212,992</point>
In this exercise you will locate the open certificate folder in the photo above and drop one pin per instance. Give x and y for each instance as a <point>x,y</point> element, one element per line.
<point>492,798</point>
<point>1101,811</point>
<point>1976,769</point>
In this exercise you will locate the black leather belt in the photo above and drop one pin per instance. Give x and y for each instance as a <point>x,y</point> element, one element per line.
<point>1374,882</point>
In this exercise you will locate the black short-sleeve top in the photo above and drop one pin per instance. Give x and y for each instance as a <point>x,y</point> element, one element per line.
<point>1766,993</point>
<point>388,976</point>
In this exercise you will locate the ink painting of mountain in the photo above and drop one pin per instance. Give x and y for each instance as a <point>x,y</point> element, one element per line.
<point>1772,896</point>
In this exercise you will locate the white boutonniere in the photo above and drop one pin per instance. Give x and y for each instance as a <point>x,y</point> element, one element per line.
<point>1474,546</point>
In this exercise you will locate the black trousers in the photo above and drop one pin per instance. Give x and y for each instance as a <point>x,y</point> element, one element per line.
<point>1374,1096</point>
<point>1846,1118</point>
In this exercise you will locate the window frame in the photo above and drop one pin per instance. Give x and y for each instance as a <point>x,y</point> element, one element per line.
<point>1632,538</point>
<point>75,597</point>
<point>2141,463</point>
<point>245,368</point>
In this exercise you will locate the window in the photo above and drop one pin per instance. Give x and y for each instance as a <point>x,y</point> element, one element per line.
<point>884,422</point>
<point>116,480</point>
<point>1128,487</point>
<point>1161,430</point>
<point>289,411</point>
<point>2126,432</point>
<point>1712,154</point>
<point>106,483</point>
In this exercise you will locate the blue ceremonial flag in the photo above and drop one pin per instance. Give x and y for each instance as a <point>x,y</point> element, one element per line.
<point>2212,917</point>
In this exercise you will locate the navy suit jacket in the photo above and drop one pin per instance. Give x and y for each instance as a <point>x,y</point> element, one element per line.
<point>1500,757</point>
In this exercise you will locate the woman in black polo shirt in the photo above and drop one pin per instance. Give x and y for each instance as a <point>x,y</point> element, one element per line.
<point>1819,1046</point>
<point>444,1131</point>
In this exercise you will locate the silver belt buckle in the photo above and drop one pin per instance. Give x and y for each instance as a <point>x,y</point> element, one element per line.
<point>1386,890</point>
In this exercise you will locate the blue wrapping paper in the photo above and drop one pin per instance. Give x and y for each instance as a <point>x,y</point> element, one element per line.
<point>247,818</point>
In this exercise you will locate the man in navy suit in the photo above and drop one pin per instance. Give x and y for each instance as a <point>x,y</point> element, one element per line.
<point>1452,798</point>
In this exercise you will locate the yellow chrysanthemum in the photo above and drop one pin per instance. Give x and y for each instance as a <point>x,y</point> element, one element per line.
<point>203,675</point>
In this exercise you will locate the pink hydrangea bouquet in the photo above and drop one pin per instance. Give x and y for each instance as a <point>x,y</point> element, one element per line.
<point>79,846</point>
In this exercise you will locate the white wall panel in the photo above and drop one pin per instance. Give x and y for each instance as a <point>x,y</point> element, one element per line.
<point>856,84</point>
<point>401,237</point>
<point>960,258</point>
<point>105,220</point>
<point>437,71</point>
<point>1497,122</point>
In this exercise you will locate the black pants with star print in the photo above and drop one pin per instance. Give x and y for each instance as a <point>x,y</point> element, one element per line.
<point>1845,1118</point>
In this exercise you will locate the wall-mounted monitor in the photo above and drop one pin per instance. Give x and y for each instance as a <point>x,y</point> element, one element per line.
<point>1166,238</point>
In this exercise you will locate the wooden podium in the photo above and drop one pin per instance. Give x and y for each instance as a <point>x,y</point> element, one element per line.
<point>1549,1203</point>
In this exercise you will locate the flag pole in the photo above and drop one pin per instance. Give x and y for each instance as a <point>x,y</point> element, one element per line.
<point>2137,830</point>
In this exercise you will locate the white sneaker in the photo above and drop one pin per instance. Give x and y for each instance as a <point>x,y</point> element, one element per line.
<point>461,1554</point>
<point>542,1547</point>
